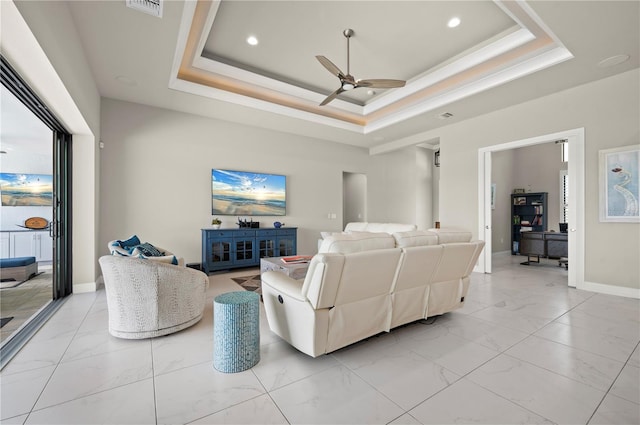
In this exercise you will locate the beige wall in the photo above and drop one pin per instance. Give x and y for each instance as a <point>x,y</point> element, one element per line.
<point>608,110</point>
<point>156,177</point>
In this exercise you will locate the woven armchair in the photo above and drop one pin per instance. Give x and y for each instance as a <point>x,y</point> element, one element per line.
<point>147,298</point>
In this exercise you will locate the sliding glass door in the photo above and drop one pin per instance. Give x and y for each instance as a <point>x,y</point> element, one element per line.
<point>36,213</point>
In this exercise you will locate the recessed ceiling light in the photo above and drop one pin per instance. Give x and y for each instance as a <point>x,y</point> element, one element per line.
<point>453,22</point>
<point>252,40</point>
<point>613,61</point>
<point>126,81</point>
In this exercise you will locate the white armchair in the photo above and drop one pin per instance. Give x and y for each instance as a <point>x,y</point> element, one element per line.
<point>146,298</point>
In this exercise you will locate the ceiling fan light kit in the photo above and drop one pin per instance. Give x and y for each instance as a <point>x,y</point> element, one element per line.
<point>347,81</point>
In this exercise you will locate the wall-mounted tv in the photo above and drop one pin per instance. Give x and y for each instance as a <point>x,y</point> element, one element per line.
<point>247,193</point>
<point>22,190</point>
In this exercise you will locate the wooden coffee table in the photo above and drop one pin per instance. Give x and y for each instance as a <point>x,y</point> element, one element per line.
<point>293,270</point>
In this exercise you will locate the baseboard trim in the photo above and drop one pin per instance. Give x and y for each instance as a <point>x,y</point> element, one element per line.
<point>602,288</point>
<point>81,288</point>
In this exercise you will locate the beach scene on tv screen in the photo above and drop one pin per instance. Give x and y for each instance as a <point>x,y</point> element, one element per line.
<point>22,190</point>
<point>246,193</point>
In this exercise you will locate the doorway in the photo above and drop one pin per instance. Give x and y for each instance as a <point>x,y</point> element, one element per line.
<point>575,139</point>
<point>354,197</point>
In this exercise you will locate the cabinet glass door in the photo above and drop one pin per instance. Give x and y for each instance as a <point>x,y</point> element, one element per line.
<point>286,246</point>
<point>267,247</point>
<point>220,253</point>
<point>244,251</point>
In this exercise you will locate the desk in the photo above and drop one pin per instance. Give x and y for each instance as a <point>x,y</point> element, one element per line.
<point>544,244</point>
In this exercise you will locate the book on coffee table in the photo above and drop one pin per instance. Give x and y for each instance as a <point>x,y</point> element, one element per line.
<point>297,259</point>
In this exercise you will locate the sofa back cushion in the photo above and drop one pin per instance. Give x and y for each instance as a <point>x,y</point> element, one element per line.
<point>417,266</point>
<point>415,238</point>
<point>356,226</point>
<point>321,282</point>
<point>451,235</point>
<point>412,283</point>
<point>456,261</point>
<point>367,274</point>
<point>347,243</point>
<point>389,228</point>
<point>363,300</point>
<point>479,245</point>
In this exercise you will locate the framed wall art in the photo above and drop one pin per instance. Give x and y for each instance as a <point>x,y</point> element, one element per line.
<point>24,190</point>
<point>619,181</point>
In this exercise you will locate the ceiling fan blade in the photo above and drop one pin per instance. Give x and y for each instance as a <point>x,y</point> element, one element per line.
<point>381,83</point>
<point>330,66</point>
<point>331,96</point>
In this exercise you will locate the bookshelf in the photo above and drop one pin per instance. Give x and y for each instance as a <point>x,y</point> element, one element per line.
<point>528,213</point>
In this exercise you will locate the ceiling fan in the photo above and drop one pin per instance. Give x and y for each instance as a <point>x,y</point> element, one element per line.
<point>347,82</point>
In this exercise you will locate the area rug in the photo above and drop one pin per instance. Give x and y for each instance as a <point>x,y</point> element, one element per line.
<point>250,283</point>
<point>11,283</point>
<point>5,320</point>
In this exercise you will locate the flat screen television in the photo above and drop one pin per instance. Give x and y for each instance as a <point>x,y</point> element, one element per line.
<point>244,193</point>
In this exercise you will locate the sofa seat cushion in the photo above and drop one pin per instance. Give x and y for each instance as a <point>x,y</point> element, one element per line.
<point>348,243</point>
<point>415,238</point>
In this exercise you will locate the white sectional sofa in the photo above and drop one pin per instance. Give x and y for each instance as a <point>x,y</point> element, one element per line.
<point>364,283</point>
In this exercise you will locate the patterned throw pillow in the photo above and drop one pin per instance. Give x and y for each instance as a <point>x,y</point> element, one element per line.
<point>130,243</point>
<point>148,250</point>
<point>168,259</point>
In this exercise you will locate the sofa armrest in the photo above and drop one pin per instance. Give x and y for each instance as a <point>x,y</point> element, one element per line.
<point>283,283</point>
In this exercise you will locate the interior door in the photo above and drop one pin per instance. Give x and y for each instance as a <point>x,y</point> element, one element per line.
<point>488,216</point>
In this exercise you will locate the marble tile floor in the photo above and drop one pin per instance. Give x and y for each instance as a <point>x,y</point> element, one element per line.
<point>525,349</point>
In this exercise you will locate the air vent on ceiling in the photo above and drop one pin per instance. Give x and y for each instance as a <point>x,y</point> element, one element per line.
<point>445,115</point>
<point>151,7</point>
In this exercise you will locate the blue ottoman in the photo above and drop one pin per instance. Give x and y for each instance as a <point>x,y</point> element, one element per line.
<point>236,331</point>
<point>18,268</point>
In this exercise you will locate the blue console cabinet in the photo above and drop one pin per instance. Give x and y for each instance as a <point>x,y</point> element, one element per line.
<point>230,248</point>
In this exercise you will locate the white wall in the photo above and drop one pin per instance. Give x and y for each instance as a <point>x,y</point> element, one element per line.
<point>608,109</point>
